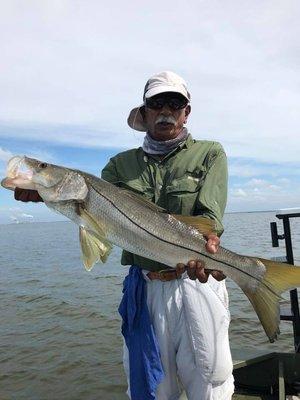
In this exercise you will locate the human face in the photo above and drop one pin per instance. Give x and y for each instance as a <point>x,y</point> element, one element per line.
<point>162,118</point>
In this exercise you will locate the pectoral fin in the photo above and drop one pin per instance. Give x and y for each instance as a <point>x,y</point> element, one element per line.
<point>202,224</point>
<point>94,248</point>
<point>93,224</point>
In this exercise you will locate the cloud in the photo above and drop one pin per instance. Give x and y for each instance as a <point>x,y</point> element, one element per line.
<point>239,193</point>
<point>27,216</point>
<point>27,212</point>
<point>247,168</point>
<point>261,185</point>
<point>13,209</point>
<point>257,182</point>
<point>85,65</point>
<point>71,71</point>
<point>69,135</point>
<point>263,194</point>
<point>17,216</point>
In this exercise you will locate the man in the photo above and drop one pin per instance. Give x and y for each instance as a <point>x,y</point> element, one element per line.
<point>180,332</point>
<point>190,319</point>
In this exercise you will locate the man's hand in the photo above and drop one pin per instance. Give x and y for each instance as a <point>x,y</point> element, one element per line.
<point>195,268</point>
<point>27,195</point>
<point>213,243</point>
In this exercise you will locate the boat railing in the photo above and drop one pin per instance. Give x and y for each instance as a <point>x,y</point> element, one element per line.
<point>273,376</point>
<point>294,316</point>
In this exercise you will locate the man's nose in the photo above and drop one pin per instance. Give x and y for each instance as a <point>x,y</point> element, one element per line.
<point>166,110</point>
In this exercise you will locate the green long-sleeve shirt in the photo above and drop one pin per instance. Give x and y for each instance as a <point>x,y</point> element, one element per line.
<point>191,180</point>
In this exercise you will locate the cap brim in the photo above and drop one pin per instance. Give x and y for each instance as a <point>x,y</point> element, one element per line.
<point>163,89</point>
<point>135,119</point>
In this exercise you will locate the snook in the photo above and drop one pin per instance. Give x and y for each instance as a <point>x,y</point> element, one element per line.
<point>108,215</point>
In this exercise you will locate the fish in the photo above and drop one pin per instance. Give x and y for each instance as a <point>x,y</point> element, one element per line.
<point>108,215</point>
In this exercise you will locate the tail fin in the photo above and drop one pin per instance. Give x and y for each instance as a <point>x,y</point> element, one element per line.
<point>278,278</point>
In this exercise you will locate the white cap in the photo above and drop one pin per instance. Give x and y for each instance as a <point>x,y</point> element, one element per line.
<point>162,82</point>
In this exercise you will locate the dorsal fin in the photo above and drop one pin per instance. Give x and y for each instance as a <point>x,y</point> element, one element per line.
<point>204,225</point>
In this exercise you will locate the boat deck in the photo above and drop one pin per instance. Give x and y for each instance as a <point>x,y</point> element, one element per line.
<point>265,376</point>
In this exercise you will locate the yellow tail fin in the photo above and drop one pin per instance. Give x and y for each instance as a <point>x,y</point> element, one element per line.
<point>278,278</point>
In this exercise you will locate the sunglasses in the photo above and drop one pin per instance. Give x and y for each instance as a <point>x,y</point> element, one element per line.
<point>174,103</point>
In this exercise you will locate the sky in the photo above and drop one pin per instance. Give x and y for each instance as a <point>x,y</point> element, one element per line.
<point>71,70</point>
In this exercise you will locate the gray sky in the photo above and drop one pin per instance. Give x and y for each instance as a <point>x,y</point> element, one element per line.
<point>71,70</point>
<point>86,62</point>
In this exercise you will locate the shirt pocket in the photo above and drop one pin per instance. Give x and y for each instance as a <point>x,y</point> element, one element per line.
<point>182,193</point>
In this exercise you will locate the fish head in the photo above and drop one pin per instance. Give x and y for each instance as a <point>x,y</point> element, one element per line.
<point>53,182</point>
<point>42,173</point>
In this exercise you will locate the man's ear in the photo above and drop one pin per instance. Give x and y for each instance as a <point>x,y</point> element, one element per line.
<point>187,110</point>
<point>187,113</point>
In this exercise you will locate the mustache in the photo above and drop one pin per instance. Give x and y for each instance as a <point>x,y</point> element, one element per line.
<point>165,119</point>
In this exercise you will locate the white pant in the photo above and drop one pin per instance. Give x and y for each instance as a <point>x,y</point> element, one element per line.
<point>191,321</point>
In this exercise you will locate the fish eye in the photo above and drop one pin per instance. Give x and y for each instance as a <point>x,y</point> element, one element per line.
<point>42,165</point>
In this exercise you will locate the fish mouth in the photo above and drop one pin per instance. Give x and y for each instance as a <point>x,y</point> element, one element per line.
<point>18,174</point>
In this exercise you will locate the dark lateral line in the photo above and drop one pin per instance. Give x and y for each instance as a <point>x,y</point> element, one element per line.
<point>182,247</point>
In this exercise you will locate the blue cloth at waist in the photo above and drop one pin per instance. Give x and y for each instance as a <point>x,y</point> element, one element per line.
<point>146,371</point>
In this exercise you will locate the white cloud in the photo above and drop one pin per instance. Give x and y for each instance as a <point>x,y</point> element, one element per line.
<point>27,212</point>
<point>71,71</point>
<point>27,216</point>
<point>261,194</point>
<point>239,193</point>
<point>244,168</point>
<point>262,185</point>
<point>256,183</point>
<point>13,209</point>
<point>85,64</point>
<point>15,214</point>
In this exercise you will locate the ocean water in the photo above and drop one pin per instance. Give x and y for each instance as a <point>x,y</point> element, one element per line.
<point>60,330</point>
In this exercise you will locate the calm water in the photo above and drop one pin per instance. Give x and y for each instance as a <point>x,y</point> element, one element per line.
<point>59,332</point>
